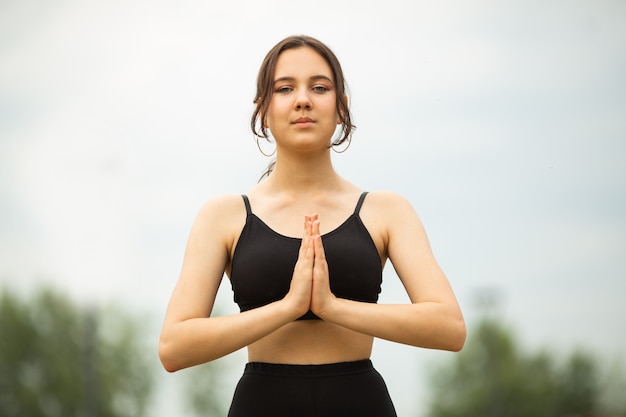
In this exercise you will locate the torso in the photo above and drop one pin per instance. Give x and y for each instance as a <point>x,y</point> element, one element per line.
<point>310,341</point>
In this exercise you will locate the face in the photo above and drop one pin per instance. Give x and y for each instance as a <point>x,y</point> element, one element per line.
<point>303,111</point>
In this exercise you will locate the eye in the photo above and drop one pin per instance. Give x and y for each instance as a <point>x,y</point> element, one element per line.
<point>320,89</point>
<point>283,89</point>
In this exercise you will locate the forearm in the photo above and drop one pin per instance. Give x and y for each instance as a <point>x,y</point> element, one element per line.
<point>200,340</point>
<point>426,324</point>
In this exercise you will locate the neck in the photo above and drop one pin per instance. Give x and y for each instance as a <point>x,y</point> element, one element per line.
<point>304,174</point>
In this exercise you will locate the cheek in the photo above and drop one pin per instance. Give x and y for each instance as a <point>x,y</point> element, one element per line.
<point>270,116</point>
<point>277,108</point>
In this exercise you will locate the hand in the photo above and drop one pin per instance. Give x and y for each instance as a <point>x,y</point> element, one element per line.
<point>299,294</point>
<point>322,296</point>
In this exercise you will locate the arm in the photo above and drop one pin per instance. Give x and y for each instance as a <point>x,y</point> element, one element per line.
<point>432,320</point>
<point>189,335</point>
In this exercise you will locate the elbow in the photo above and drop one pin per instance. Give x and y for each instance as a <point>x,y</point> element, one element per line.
<point>458,336</point>
<point>448,333</point>
<point>170,366</point>
<point>168,357</point>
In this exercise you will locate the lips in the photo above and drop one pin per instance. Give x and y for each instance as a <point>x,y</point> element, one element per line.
<point>303,121</point>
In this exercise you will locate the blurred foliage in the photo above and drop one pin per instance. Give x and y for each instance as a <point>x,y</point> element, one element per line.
<point>58,359</point>
<point>202,387</point>
<point>491,377</point>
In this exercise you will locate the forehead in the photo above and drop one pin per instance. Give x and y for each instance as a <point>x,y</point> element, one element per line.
<point>302,62</point>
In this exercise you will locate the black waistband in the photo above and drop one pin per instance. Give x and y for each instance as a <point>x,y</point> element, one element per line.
<point>326,369</point>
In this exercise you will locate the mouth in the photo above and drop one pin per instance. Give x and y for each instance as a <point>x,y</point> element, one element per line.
<point>303,121</point>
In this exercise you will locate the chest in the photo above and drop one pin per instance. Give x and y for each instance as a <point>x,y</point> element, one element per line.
<point>264,260</point>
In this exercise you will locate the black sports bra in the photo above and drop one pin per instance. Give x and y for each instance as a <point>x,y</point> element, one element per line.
<point>263,262</point>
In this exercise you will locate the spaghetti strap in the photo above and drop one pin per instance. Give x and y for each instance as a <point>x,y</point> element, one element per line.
<point>247,203</point>
<point>360,203</point>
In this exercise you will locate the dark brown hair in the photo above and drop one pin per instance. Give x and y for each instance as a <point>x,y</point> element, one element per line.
<point>265,84</point>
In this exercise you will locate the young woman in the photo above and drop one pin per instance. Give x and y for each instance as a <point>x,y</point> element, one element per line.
<point>304,251</point>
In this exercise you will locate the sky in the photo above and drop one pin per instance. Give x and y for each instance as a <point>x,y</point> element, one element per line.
<point>503,123</point>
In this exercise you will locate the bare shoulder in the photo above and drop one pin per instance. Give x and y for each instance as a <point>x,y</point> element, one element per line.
<point>223,207</point>
<point>222,217</point>
<point>384,213</point>
<point>389,205</point>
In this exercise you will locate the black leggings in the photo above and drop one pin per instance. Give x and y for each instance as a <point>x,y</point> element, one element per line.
<point>346,389</point>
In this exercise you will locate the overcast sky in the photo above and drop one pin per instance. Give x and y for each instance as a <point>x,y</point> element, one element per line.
<point>504,123</point>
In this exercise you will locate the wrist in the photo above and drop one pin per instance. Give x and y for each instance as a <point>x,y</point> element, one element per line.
<point>329,309</point>
<point>292,309</point>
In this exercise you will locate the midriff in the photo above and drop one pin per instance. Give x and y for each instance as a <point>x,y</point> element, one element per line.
<point>311,342</point>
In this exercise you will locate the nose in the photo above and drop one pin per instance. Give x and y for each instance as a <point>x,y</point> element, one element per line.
<point>303,101</point>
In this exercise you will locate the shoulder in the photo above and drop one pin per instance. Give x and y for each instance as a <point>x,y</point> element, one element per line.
<point>387,215</point>
<point>221,216</point>
<point>223,205</point>
<point>391,212</point>
<point>388,203</point>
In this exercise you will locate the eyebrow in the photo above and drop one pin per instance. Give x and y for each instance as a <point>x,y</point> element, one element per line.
<point>313,78</point>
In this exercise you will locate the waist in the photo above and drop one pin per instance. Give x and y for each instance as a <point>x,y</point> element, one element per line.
<point>311,342</point>
<point>326,369</point>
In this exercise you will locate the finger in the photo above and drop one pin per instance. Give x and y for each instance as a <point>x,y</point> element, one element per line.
<point>309,225</point>
<point>317,243</point>
<point>320,255</point>
<point>315,225</point>
<point>306,237</point>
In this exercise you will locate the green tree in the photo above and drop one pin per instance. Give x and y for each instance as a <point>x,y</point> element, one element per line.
<point>613,386</point>
<point>57,359</point>
<point>491,377</point>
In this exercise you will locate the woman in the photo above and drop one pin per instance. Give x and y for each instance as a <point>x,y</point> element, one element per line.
<point>304,251</point>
